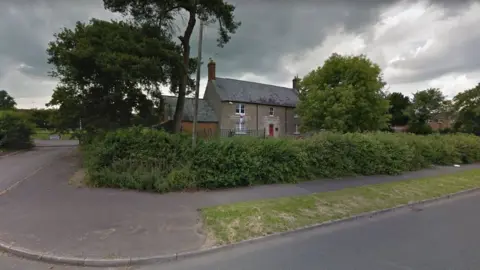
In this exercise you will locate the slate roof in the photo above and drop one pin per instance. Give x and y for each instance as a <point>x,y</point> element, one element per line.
<point>258,93</point>
<point>205,112</point>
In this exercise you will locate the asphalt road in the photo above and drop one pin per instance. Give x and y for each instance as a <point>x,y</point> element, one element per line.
<point>19,167</point>
<point>441,236</point>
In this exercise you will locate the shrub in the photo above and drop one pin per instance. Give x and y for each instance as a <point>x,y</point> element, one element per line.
<point>15,131</point>
<point>154,160</point>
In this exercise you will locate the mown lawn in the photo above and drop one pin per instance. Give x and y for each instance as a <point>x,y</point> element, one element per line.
<point>232,223</point>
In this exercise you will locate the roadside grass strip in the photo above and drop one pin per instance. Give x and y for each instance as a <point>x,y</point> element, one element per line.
<point>232,223</point>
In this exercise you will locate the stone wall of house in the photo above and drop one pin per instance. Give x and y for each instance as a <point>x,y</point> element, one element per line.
<point>257,119</point>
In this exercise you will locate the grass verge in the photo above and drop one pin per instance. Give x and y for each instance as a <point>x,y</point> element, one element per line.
<point>233,223</point>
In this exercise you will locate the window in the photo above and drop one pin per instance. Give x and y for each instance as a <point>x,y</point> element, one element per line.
<point>240,126</point>
<point>271,111</point>
<point>240,109</point>
<point>297,129</point>
<point>295,116</point>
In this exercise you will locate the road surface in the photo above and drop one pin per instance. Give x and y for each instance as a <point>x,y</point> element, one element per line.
<point>441,236</point>
<point>21,166</point>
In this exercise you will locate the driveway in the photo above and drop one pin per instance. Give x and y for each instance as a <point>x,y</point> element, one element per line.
<point>21,165</point>
<point>46,214</point>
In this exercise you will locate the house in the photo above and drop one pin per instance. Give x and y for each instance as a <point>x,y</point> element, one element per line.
<point>440,122</point>
<point>231,106</point>
<point>207,121</point>
<point>252,108</point>
<point>436,124</point>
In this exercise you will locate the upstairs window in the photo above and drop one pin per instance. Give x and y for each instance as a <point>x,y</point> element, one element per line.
<point>271,111</point>
<point>240,109</point>
<point>295,116</point>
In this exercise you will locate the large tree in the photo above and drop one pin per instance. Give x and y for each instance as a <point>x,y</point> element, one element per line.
<point>398,108</point>
<point>106,70</point>
<point>467,106</point>
<point>426,105</point>
<point>7,102</point>
<point>164,12</point>
<point>345,94</point>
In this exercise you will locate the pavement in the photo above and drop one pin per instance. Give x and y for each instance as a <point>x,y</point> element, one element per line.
<point>44,213</point>
<point>439,236</point>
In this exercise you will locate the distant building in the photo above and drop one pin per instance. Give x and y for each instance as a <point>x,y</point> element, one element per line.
<point>242,107</point>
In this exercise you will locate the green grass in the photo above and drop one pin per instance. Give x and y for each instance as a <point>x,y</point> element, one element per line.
<point>232,223</point>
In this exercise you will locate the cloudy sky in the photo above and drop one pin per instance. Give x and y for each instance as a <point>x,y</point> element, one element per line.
<point>418,44</point>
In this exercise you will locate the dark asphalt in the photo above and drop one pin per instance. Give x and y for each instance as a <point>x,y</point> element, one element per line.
<point>46,214</point>
<point>17,167</point>
<point>442,236</point>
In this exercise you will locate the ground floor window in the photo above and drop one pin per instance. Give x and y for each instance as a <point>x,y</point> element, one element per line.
<point>297,129</point>
<point>240,126</point>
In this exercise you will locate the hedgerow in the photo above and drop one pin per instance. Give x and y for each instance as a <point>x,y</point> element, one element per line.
<point>15,131</point>
<point>157,161</point>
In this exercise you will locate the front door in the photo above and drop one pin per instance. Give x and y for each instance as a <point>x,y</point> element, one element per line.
<point>271,130</point>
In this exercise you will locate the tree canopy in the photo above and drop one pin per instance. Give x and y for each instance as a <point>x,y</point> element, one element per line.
<point>426,104</point>
<point>399,104</point>
<point>467,105</point>
<point>162,13</point>
<point>106,70</point>
<point>7,102</point>
<point>345,94</point>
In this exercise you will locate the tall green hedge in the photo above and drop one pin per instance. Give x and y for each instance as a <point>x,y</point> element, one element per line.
<point>15,130</point>
<point>154,160</point>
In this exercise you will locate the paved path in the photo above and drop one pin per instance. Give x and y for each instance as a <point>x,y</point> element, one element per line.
<point>21,165</point>
<point>46,214</point>
<point>442,236</point>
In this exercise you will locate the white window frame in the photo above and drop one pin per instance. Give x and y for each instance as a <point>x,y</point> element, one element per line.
<point>295,115</point>
<point>297,129</point>
<point>240,128</point>
<point>240,109</point>
<point>271,111</point>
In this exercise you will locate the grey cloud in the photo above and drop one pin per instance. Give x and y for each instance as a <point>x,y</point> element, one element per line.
<point>28,26</point>
<point>270,30</point>
<point>457,54</point>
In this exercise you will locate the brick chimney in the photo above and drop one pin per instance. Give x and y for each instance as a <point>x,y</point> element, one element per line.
<point>295,82</point>
<point>211,70</point>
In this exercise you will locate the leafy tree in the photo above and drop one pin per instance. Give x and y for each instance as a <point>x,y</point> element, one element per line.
<point>7,102</point>
<point>345,94</point>
<point>426,105</point>
<point>42,118</point>
<point>467,105</point>
<point>15,130</point>
<point>163,13</point>
<point>106,70</point>
<point>399,104</point>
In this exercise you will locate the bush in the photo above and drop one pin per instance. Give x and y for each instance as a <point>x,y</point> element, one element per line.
<point>15,131</point>
<point>157,161</point>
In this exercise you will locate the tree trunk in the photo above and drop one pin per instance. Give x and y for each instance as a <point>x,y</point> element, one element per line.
<point>182,87</point>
